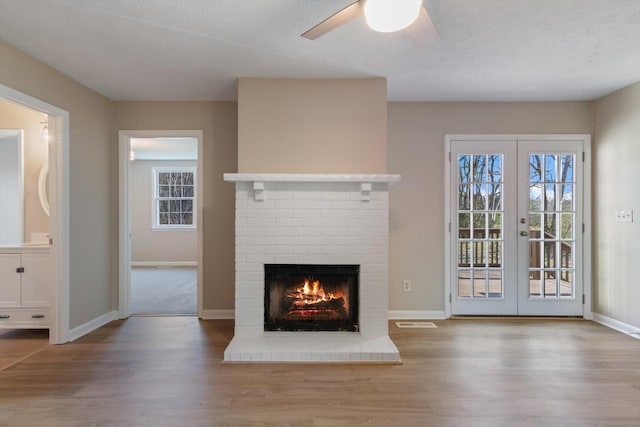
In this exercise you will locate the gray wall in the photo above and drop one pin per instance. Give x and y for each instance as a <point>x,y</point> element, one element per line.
<point>92,199</point>
<point>617,245</point>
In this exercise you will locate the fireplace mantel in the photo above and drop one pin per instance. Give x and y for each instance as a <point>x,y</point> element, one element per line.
<point>294,177</point>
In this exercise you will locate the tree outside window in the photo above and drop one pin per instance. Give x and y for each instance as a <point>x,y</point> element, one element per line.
<point>174,198</point>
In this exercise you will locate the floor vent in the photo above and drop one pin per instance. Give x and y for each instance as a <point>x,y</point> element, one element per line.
<point>416,325</point>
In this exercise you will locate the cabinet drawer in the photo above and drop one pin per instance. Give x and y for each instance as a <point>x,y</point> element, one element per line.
<point>24,318</point>
<point>10,280</point>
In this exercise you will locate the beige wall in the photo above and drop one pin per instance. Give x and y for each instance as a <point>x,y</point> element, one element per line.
<point>15,116</point>
<point>312,126</point>
<point>219,123</point>
<point>616,245</point>
<point>93,203</point>
<point>156,246</point>
<point>416,152</point>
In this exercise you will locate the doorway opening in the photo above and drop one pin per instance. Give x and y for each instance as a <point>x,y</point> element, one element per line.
<point>160,231</point>
<point>57,203</point>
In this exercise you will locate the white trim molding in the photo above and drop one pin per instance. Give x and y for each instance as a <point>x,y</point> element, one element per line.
<point>617,325</point>
<point>124,231</point>
<point>92,325</point>
<point>295,177</point>
<point>416,315</point>
<point>169,264</point>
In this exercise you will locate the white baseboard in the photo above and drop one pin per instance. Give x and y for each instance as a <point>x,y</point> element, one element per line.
<point>416,315</point>
<point>164,263</point>
<point>617,325</point>
<point>92,325</point>
<point>218,314</point>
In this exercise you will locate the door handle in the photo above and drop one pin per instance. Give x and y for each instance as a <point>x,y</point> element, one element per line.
<point>524,233</point>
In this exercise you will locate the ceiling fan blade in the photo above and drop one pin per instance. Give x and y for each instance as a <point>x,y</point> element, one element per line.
<point>422,29</point>
<point>339,18</point>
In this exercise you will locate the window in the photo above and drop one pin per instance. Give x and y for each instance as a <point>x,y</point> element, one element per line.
<point>174,198</point>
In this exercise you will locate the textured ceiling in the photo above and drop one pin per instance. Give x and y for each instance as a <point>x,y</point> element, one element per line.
<point>485,50</point>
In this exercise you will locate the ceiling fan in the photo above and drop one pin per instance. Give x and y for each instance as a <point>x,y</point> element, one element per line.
<point>381,15</point>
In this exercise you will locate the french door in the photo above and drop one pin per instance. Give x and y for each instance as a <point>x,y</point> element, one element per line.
<point>516,215</point>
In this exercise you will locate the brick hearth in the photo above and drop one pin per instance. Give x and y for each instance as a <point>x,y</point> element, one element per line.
<point>311,219</point>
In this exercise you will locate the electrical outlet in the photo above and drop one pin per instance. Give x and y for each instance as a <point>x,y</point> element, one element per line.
<point>624,215</point>
<point>406,285</point>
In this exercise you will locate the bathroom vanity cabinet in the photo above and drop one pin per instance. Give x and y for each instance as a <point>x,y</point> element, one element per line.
<point>25,287</point>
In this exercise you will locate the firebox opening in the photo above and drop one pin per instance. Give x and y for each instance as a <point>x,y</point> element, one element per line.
<point>311,297</point>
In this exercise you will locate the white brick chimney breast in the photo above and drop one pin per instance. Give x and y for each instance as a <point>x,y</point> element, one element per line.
<point>312,219</point>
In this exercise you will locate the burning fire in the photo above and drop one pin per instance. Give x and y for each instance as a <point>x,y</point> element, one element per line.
<point>312,292</point>
<point>311,301</point>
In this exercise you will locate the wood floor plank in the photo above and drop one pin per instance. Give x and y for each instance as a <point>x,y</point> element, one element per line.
<point>168,371</point>
<point>16,344</point>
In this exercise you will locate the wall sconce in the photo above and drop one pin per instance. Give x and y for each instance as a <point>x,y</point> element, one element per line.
<point>387,16</point>
<point>45,130</point>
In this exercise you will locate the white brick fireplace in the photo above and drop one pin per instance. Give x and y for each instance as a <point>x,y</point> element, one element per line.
<point>312,219</point>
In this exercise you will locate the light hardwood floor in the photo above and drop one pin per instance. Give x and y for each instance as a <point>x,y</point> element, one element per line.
<point>168,371</point>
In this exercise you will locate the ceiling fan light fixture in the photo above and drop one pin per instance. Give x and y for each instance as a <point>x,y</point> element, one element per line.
<point>387,16</point>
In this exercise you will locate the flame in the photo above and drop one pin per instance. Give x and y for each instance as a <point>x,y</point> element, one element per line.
<point>312,292</point>
<point>309,300</point>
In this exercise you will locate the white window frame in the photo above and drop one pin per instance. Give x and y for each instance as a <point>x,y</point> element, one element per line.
<point>155,214</point>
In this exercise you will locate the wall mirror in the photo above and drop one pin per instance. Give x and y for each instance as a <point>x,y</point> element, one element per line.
<point>11,190</point>
<point>43,187</point>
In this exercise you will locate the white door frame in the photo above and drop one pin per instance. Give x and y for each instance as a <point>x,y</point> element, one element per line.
<point>58,209</point>
<point>124,229</point>
<point>587,312</point>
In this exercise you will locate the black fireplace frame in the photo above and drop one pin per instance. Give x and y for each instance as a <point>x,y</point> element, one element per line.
<point>283,271</point>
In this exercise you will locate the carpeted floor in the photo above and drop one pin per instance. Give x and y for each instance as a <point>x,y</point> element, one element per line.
<point>164,290</point>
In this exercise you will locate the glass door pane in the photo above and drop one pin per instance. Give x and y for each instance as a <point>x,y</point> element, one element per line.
<point>480,232</point>
<point>550,228</point>
<point>482,251</point>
